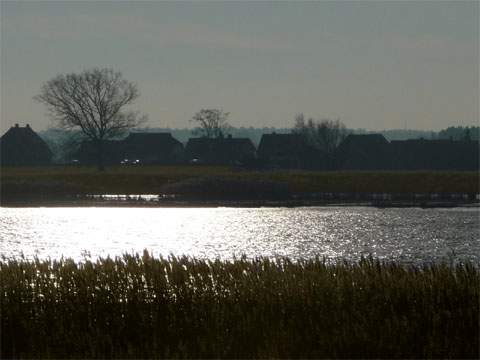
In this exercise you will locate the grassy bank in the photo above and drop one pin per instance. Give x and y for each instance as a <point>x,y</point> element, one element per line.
<point>223,182</point>
<point>144,307</point>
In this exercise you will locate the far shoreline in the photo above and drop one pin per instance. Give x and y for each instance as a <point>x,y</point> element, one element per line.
<point>232,203</point>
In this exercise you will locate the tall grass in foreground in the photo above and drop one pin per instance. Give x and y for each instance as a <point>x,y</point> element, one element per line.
<point>145,307</point>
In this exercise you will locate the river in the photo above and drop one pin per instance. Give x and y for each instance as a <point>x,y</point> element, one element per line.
<point>405,235</point>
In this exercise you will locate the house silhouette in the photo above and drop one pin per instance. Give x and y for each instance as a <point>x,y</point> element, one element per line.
<point>363,152</point>
<point>288,151</point>
<point>21,146</point>
<point>153,148</point>
<point>220,151</point>
<point>147,148</point>
<point>421,154</point>
<point>374,152</point>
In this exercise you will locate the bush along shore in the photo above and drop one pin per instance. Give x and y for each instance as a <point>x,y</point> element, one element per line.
<point>139,306</point>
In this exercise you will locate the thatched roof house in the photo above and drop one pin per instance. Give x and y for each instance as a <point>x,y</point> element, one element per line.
<point>363,152</point>
<point>22,146</point>
<point>146,148</point>
<point>287,151</point>
<point>220,151</point>
<point>153,148</point>
<point>422,154</point>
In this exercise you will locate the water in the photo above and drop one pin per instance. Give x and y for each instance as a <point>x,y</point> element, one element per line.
<point>407,235</point>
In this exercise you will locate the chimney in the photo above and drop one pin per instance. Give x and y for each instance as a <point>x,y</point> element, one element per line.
<point>28,126</point>
<point>16,125</point>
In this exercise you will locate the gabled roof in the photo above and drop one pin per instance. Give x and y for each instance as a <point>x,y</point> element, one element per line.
<point>365,140</point>
<point>368,144</point>
<point>151,140</point>
<point>22,145</point>
<point>444,154</point>
<point>153,148</point>
<point>23,136</point>
<point>437,142</point>
<point>219,150</point>
<point>222,142</point>
<point>363,152</point>
<point>291,144</point>
<point>147,147</point>
<point>282,140</point>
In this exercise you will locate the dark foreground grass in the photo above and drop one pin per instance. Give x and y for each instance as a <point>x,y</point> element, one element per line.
<point>144,307</point>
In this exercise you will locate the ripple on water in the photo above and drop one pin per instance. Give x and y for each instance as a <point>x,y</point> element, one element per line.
<point>409,235</point>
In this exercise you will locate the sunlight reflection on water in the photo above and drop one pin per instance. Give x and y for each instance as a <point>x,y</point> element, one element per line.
<point>410,235</point>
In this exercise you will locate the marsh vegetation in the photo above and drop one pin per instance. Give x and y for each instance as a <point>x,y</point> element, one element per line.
<point>139,306</point>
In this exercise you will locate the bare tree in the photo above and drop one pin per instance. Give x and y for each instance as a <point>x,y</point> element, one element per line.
<point>93,101</point>
<point>212,123</point>
<point>324,135</point>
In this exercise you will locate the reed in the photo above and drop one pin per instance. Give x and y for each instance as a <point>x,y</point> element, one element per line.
<point>139,306</point>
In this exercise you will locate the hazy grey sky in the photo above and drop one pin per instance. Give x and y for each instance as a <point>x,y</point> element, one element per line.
<point>374,64</point>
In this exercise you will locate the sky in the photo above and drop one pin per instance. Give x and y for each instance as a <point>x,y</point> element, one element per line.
<point>373,64</point>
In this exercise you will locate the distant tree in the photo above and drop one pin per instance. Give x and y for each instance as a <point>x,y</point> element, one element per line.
<point>460,133</point>
<point>212,123</point>
<point>324,135</point>
<point>94,102</point>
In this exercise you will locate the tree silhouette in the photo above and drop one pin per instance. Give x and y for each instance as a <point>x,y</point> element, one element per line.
<point>212,123</point>
<point>324,135</point>
<point>93,101</point>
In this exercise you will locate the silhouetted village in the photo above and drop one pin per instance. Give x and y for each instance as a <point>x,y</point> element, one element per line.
<point>21,146</point>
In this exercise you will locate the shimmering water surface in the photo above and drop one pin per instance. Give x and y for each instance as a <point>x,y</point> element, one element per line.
<point>408,235</point>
